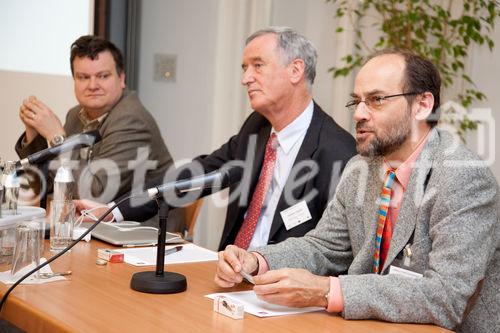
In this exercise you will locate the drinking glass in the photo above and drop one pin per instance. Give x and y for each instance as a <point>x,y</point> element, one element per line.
<point>27,249</point>
<point>62,220</point>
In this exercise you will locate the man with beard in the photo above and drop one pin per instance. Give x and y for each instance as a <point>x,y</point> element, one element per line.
<point>412,232</point>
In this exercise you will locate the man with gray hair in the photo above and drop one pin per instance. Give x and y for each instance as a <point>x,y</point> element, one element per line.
<point>293,145</point>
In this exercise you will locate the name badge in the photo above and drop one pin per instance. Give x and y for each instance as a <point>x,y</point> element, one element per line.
<point>295,215</point>
<point>404,272</point>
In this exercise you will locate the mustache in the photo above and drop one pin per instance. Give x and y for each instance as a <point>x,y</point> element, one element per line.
<point>361,126</point>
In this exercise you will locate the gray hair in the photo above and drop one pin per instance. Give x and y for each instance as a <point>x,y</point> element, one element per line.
<point>293,46</point>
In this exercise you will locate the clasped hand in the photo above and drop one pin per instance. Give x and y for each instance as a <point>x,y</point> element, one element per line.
<point>288,286</point>
<point>39,119</point>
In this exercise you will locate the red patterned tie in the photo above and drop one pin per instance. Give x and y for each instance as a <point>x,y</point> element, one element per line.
<point>247,229</point>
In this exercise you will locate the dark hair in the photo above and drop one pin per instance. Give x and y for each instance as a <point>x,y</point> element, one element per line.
<point>420,76</point>
<point>90,47</point>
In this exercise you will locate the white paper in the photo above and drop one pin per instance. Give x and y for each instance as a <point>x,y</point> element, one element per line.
<point>259,308</point>
<point>394,270</point>
<point>7,278</point>
<point>296,215</point>
<point>146,256</point>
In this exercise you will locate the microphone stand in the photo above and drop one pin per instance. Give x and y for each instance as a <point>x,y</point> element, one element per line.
<point>159,281</point>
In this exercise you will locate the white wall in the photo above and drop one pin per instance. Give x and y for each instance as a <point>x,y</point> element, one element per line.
<point>39,33</point>
<point>36,38</point>
<point>485,71</point>
<point>182,109</point>
<point>55,90</point>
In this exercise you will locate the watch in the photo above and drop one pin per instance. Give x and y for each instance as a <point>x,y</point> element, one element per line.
<point>57,140</point>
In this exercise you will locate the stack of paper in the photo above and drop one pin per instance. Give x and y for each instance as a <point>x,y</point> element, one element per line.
<point>146,256</point>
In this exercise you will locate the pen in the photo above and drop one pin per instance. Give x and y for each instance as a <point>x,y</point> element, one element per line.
<point>247,276</point>
<point>173,250</point>
<point>137,245</point>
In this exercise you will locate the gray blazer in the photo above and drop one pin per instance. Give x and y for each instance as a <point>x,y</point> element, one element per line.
<point>448,217</point>
<point>127,127</point>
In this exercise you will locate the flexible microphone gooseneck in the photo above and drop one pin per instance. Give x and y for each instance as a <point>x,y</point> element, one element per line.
<point>215,179</point>
<point>77,141</point>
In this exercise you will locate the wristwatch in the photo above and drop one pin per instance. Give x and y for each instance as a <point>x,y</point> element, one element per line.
<point>57,140</point>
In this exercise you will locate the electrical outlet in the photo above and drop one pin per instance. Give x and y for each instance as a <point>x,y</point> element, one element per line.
<point>165,67</point>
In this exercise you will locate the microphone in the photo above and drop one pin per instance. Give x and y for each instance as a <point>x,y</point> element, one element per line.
<point>159,281</point>
<point>85,139</point>
<point>223,177</point>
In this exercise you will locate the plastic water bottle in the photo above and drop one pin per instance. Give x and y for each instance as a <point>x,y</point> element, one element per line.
<point>64,183</point>
<point>11,188</point>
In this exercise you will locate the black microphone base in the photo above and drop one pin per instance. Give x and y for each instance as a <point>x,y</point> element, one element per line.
<point>149,282</point>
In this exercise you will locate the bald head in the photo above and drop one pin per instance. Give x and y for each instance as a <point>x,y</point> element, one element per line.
<point>381,75</point>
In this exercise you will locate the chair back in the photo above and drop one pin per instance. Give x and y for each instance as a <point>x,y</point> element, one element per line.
<point>191,213</point>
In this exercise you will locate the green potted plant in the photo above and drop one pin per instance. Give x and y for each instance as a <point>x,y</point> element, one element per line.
<point>441,30</point>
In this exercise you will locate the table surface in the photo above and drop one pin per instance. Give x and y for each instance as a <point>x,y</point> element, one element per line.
<point>98,298</point>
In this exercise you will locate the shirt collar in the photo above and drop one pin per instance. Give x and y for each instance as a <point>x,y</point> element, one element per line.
<point>403,172</point>
<point>290,135</point>
<point>87,122</point>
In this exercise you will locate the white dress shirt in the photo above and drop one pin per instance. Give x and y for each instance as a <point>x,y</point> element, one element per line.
<point>289,142</point>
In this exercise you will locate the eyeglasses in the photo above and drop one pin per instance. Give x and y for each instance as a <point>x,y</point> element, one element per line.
<point>375,102</point>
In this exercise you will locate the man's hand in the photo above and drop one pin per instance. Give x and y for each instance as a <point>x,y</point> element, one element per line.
<point>38,118</point>
<point>27,117</point>
<point>231,262</point>
<point>292,287</point>
<point>97,210</point>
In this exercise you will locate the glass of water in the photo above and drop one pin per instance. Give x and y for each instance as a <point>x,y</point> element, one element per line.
<point>27,246</point>
<point>62,220</point>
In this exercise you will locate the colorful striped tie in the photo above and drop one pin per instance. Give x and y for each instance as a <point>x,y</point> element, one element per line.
<point>385,199</point>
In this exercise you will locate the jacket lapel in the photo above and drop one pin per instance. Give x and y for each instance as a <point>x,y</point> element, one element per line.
<point>412,199</point>
<point>306,151</point>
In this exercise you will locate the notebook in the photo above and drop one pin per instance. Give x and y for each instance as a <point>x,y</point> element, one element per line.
<point>129,233</point>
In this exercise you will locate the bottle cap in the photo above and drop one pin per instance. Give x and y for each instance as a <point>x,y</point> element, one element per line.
<point>64,175</point>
